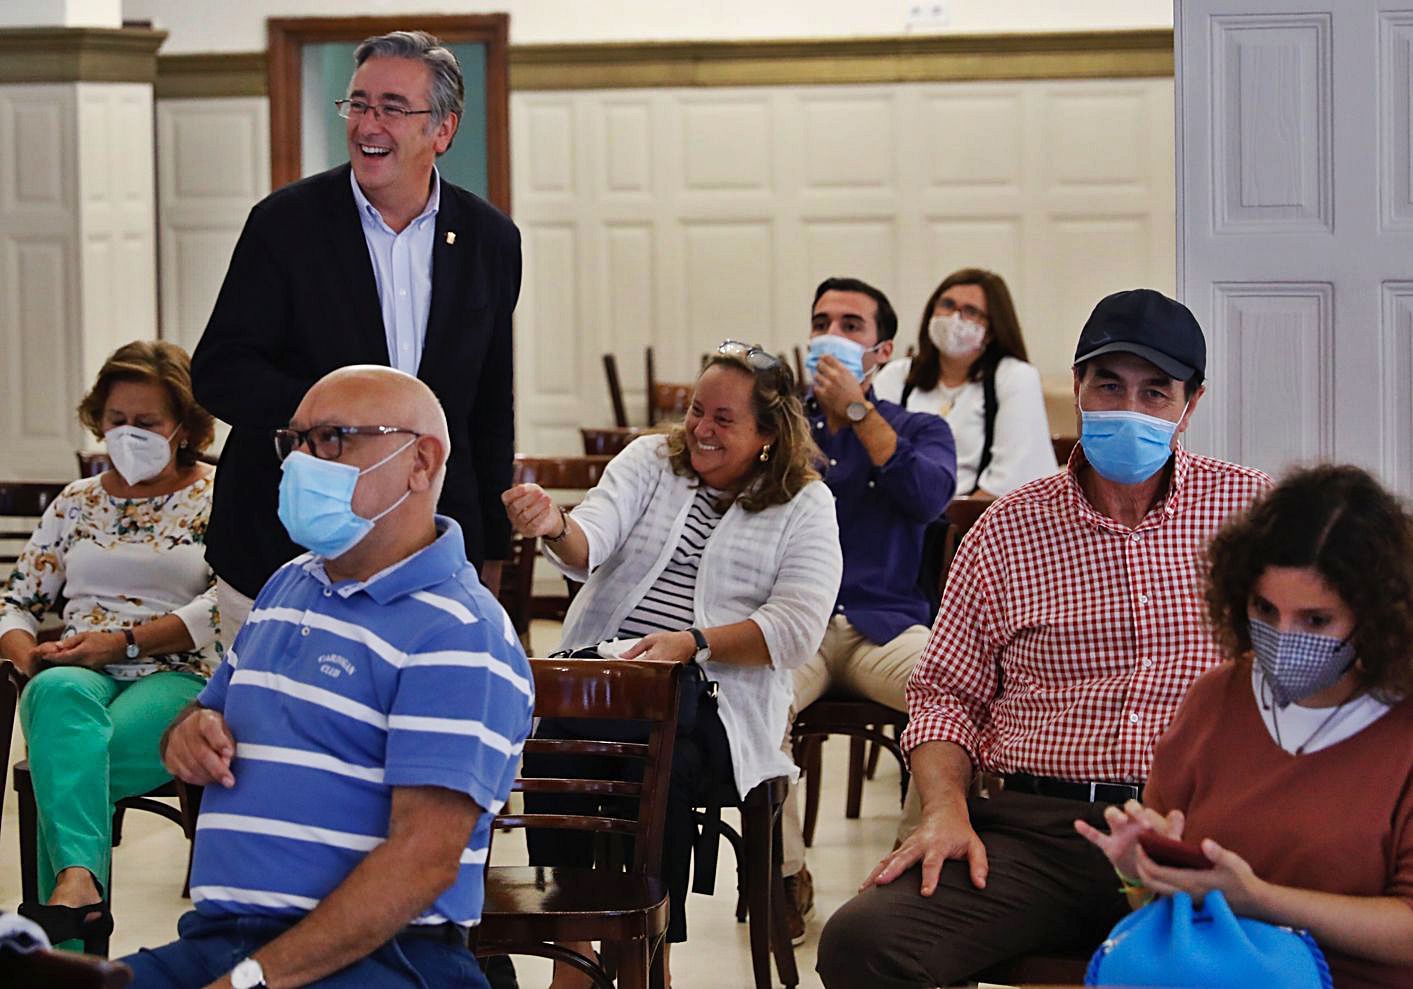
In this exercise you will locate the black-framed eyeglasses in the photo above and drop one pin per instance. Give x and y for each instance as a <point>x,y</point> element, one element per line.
<point>968,311</point>
<point>325,441</point>
<point>758,358</point>
<point>390,111</point>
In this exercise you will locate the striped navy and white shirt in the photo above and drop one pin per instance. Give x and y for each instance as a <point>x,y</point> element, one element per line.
<point>338,692</point>
<point>667,605</point>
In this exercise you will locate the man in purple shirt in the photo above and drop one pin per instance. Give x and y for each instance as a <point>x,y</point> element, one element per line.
<point>892,473</point>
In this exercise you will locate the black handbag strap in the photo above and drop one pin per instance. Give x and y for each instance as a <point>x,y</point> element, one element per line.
<point>989,408</point>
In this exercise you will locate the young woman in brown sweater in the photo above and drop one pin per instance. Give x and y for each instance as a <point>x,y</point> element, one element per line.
<point>1292,765</point>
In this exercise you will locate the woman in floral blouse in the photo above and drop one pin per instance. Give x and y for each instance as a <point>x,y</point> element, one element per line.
<point>125,552</point>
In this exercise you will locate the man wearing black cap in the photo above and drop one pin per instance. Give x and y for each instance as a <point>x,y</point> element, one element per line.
<point>1070,628</point>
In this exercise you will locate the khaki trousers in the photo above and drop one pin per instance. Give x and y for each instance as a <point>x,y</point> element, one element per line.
<point>847,663</point>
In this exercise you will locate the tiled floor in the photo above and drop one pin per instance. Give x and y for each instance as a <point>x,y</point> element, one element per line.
<point>148,871</point>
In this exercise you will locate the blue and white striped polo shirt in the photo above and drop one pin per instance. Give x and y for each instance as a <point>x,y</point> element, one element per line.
<point>336,693</point>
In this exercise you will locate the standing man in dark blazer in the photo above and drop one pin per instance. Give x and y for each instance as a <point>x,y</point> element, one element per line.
<point>379,261</point>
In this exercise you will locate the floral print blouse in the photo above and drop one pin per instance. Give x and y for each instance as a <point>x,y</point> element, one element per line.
<point>117,562</point>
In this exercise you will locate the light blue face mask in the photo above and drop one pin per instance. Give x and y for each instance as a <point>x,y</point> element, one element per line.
<point>1126,447</point>
<point>845,351</point>
<point>316,503</point>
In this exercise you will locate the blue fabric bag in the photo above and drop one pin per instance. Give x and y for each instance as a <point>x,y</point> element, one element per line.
<point>1172,944</point>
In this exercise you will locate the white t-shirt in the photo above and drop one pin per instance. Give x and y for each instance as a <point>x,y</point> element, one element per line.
<point>1020,450</point>
<point>1303,730</point>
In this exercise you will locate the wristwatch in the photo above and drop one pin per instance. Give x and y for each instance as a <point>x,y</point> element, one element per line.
<point>703,650</point>
<point>248,975</point>
<point>132,651</point>
<point>857,412</point>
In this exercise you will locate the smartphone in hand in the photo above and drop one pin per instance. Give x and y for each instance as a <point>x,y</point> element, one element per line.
<point>1173,853</point>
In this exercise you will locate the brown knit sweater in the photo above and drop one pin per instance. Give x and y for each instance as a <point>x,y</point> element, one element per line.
<point>1339,820</point>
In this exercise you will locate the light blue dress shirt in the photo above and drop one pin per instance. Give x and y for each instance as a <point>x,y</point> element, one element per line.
<point>402,270</point>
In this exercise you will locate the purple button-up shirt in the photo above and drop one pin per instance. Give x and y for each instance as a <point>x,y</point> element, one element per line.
<point>882,514</point>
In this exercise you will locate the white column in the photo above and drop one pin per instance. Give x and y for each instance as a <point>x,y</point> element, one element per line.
<point>77,227</point>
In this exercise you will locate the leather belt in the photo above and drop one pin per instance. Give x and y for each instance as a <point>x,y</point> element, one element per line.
<point>1088,791</point>
<point>447,933</point>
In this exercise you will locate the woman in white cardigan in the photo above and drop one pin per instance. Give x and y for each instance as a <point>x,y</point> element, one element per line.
<point>971,369</point>
<point>716,542</point>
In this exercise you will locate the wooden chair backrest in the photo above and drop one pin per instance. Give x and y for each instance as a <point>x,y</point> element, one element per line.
<point>21,505</point>
<point>608,442</point>
<point>615,391</point>
<point>517,584</point>
<point>62,970</point>
<point>1063,446</point>
<point>962,513</point>
<point>567,473</point>
<point>667,402</point>
<point>608,690</point>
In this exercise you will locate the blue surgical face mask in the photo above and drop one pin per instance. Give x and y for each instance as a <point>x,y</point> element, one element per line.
<point>1298,665</point>
<point>316,503</point>
<point>1126,447</point>
<point>845,351</point>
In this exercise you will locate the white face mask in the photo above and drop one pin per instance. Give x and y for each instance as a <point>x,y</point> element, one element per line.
<point>138,454</point>
<point>955,336</point>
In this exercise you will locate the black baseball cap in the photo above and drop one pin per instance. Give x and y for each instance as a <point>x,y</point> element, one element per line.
<point>1149,324</point>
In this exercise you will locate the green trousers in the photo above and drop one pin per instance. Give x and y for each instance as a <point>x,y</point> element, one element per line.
<point>93,741</point>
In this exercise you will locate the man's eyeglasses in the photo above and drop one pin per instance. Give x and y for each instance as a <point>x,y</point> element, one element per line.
<point>326,442</point>
<point>381,111</point>
<point>757,358</point>
<point>968,311</point>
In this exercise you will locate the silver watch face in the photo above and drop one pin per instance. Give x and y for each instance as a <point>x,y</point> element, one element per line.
<point>857,411</point>
<point>247,975</point>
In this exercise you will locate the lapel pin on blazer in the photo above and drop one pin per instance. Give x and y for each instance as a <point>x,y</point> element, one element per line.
<point>451,236</point>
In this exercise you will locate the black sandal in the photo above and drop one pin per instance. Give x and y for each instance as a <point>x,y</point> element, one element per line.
<point>68,923</point>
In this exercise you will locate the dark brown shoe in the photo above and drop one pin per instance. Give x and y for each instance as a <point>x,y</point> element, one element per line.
<point>799,903</point>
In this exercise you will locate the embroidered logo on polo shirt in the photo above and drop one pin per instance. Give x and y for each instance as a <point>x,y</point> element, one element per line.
<point>335,666</point>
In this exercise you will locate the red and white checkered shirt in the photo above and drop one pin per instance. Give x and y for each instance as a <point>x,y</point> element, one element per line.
<point>1065,639</point>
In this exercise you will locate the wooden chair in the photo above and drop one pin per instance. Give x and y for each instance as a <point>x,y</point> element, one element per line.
<point>517,585</point>
<point>760,888</point>
<point>862,720</point>
<point>666,402</point>
<point>563,475</point>
<point>21,505</point>
<point>1063,445</point>
<point>607,442</point>
<point>62,970</point>
<point>615,391</point>
<point>184,815</point>
<point>530,908</point>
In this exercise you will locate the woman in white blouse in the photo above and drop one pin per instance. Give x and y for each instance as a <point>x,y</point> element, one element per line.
<point>716,542</point>
<point>971,369</point>
<point>125,551</point>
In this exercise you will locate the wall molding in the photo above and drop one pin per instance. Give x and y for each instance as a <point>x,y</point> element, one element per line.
<point>84,54</point>
<point>639,65</point>
<point>211,76</point>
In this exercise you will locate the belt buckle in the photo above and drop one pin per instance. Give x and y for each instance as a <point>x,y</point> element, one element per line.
<point>1093,791</point>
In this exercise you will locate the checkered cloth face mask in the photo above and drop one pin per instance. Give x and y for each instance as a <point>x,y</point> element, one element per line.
<point>1299,664</point>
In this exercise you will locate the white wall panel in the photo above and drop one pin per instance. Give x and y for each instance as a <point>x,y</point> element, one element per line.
<point>1396,120</point>
<point>726,143</point>
<point>707,214</point>
<point>1277,340</point>
<point>1271,110</point>
<point>1396,326</point>
<point>973,138</point>
<point>39,271</point>
<point>213,164</point>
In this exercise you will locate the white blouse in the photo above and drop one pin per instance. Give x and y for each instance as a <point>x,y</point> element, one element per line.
<point>779,567</point>
<point>1021,449</point>
<point>118,562</point>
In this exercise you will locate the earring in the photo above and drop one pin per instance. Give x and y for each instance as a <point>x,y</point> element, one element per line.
<point>182,444</point>
<point>765,453</point>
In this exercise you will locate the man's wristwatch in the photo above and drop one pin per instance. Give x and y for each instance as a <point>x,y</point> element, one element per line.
<point>703,650</point>
<point>857,412</point>
<point>248,975</point>
<point>131,651</point>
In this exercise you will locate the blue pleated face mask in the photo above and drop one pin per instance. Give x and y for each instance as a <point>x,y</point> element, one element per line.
<point>842,349</point>
<point>1126,447</point>
<point>316,502</point>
